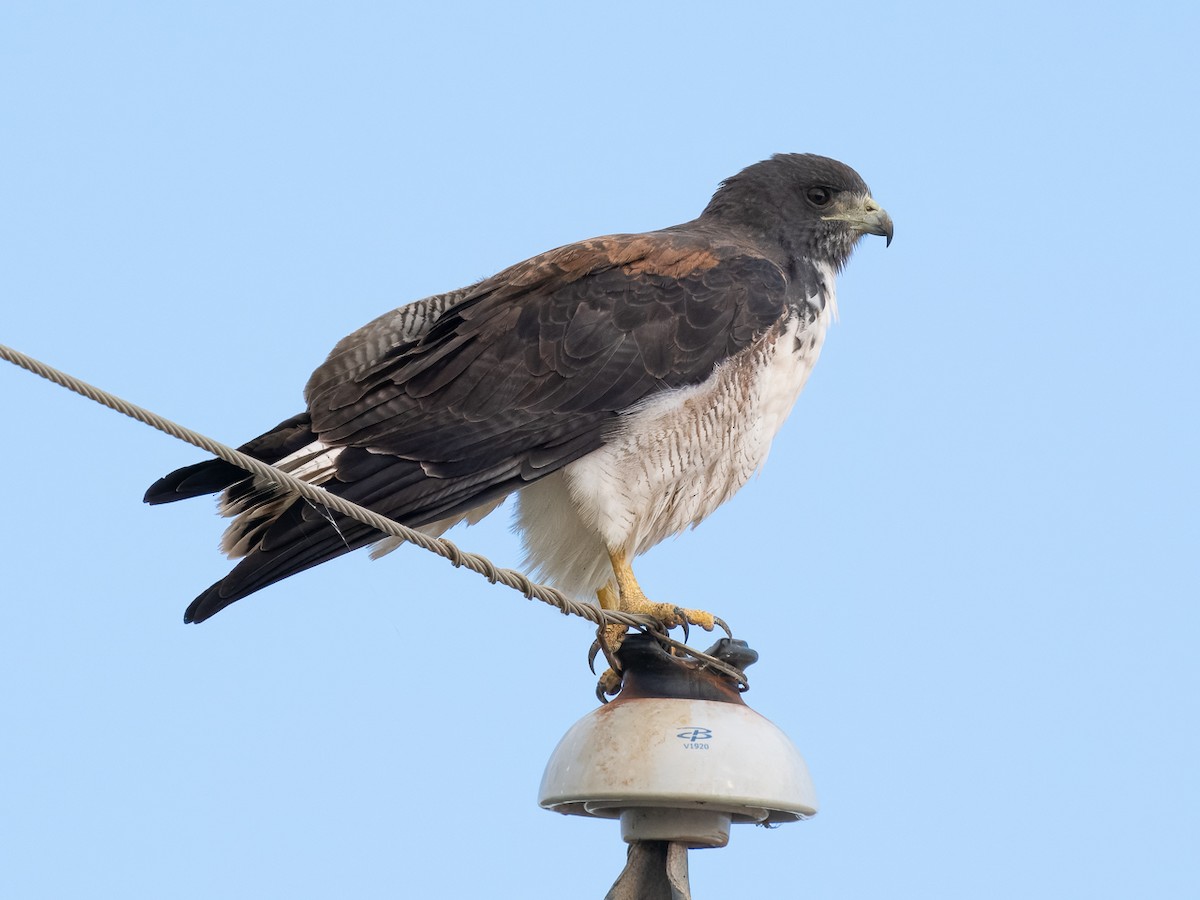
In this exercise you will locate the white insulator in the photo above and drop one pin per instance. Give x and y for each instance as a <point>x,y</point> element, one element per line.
<point>678,770</point>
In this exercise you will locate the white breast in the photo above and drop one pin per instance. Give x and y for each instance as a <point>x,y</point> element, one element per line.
<point>671,463</point>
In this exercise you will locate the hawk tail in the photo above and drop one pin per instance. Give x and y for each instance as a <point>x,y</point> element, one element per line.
<point>214,475</point>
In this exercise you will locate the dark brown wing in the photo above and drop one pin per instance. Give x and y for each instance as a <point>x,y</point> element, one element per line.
<point>352,354</point>
<point>524,374</point>
<point>587,329</point>
<point>404,325</point>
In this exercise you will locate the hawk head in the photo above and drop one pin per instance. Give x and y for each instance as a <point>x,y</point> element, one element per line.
<point>807,205</point>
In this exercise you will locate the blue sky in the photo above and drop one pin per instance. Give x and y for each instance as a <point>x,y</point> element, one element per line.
<point>969,565</point>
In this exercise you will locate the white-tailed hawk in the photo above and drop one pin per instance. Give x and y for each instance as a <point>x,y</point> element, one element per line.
<point>623,387</point>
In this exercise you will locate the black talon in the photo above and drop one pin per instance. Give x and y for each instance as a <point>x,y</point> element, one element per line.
<point>593,652</point>
<point>602,691</point>
<point>724,627</point>
<point>601,644</point>
<point>682,616</point>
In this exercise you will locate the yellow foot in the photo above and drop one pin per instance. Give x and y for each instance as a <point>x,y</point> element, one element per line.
<point>609,637</point>
<point>672,616</point>
<point>631,599</point>
<point>628,597</point>
<point>609,685</point>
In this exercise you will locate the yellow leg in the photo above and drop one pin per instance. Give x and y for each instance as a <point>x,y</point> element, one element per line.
<point>609,639</point>
<point>631,599</point>
<point>609,599</point>
<point>612,635</point>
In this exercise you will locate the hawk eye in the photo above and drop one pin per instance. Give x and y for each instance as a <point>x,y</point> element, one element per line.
<point>819,196</point>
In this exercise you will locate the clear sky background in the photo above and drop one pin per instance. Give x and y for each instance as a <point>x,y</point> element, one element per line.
<point>970,565</point>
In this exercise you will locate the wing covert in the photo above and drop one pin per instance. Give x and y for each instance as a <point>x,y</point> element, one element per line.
<point>553,348</point>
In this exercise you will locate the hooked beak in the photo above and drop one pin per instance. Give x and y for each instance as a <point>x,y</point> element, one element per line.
<point>867,218</point>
